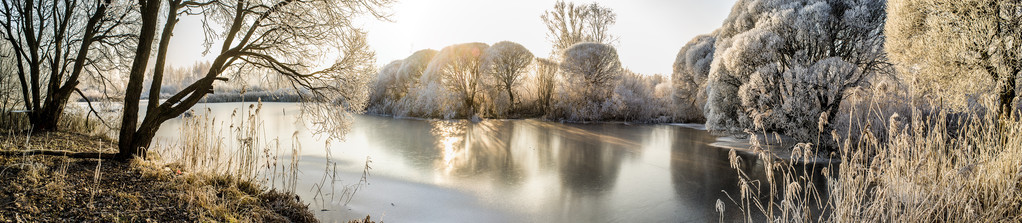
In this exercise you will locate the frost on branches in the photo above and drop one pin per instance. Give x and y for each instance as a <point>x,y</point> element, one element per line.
<point>783,66</point>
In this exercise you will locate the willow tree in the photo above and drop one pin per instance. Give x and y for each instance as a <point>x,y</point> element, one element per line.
<point>286,37</point>
<point>958,48</point>
<point>53,43</point>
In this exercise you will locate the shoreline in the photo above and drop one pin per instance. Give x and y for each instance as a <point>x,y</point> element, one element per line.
<point>54,188</point>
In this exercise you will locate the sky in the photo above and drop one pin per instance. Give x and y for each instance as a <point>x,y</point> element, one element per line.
<point>650,32</point>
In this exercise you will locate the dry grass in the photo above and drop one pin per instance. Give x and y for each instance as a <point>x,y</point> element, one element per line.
<point>237,148</point>
<point>931,165</point>
<point>39,188</point>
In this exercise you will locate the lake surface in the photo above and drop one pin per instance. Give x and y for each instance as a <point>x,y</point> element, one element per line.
<point>506,170</point>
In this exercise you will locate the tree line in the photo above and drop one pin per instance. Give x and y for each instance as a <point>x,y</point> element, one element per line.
<point>582,80</point>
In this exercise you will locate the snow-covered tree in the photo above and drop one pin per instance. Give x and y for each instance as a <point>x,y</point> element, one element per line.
<point>568,24</point>
<point>458,69</point>
<point>691,68</point>
<point>505,62</point>
<point>958,48</point>
<point>783,66</point>
<point>590,73</point>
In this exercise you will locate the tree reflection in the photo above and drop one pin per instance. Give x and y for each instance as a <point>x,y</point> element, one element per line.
<point>701,173</point>
<point>480,149</point>
<point>590,161</point>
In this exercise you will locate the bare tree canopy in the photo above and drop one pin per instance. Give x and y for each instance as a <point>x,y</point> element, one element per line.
<point>568,24</point>
<point>505,62</point>
<point>969,47</point>
<point>53,43</point>
<point>285,37</point>
<point>783,66</point>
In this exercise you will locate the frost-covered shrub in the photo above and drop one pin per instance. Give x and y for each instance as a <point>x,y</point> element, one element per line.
<point>589,73</point>
<point>430,99</point>
<point>783,66</point>
<point>691,68</point>
<point>642,98</point>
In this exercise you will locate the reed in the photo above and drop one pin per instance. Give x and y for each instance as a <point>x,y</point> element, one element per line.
<point>930,165</point>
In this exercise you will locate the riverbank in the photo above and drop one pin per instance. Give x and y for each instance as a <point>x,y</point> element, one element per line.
<point>45,188</point>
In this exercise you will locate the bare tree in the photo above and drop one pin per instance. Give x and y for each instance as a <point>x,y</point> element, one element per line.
<point>546,74</point>
<point>505,62</point>
<point>568,24</point>
<point>281,36</point>
<point>458,68</point>
<point>53,43</point>
<point>958,47</point>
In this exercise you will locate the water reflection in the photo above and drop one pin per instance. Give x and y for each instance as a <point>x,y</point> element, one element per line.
<point>523,170</point>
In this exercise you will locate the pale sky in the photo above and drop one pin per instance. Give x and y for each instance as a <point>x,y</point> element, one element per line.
<point>650,32</point>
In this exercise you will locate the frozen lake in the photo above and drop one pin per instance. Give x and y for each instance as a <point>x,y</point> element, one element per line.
<point>507,170</point>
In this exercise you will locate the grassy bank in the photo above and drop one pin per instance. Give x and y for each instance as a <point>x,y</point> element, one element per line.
<point>41,188</point>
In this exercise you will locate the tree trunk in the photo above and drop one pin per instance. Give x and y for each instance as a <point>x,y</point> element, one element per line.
<point>127,146</point>
<point>510,97</point>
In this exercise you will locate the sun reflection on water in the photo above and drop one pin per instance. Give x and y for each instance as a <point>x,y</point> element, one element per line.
<point>451,136</point>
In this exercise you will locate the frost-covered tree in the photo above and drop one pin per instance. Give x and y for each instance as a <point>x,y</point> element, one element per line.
<point>505,62</point>
<point>396,80</point>
<point>458,69</point>
<point>546,78</point>
<point>595,64</point>
<point>412,68</point>
<point>642,97</point>
<point>691,68</point>
<point>783,66</point>
<point>958,48</point>
<point>568,24</point>
<point>385,88</point>
<point>590,73</point>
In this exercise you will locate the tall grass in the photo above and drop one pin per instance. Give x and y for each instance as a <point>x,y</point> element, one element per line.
<point>930,165</point>
<point>238,148</point>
